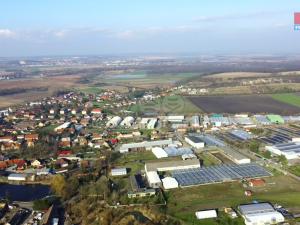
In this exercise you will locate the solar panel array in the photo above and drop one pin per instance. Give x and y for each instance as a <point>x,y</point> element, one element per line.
<point>217,174</point>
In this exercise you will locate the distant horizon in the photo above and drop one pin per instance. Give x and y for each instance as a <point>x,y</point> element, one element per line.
<point>191,54</point>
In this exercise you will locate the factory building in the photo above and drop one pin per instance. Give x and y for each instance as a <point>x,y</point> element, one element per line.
<point>153,179</point>
<point>260,213</point>
<point>145,145</point>
<point>194,142</point>
<point>289,150</point>
<point>172,165</point>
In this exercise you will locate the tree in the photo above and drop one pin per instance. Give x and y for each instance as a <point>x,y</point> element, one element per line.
<point>254,146</point>
<point>282,159</point>
<point>58,185</point>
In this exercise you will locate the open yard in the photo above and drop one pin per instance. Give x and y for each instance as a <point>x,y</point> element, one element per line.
<point>182,203</point>
<point>243,103</point>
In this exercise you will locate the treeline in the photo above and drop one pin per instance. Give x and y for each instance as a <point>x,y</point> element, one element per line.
<point>13,91</point>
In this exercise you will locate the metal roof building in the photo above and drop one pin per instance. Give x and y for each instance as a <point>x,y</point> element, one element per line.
<point>261,119</point>
<point>260,213</point>
<point>148,145</point>
<point>289,150</point>
<point>277,119</point>
<point>172,165</point>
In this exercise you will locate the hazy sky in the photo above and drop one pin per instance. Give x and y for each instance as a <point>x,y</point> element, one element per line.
<point>64,27</point>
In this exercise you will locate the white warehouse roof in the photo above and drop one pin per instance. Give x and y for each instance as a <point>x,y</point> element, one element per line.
<point>205,214</point>
<point>159,152</point>
<point>169,183</point>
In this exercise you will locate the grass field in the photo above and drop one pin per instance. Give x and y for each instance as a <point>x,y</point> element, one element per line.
<point>134,160</point>
<point>288,98</point>
<point>295,170</point>
<point>169,104</point>
<point>279,189</point>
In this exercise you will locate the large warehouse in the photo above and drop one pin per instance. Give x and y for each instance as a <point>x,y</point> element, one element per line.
<point>289,150</point>
<point>147,145</point>
<point>172,165</point>
<point>260,213</point>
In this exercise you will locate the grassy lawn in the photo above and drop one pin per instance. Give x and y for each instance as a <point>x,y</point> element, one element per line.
<point>288,98</point>
<point>182,203</point>
<point>170,104</point>
<point>295,170</point>
<point>134,160</point>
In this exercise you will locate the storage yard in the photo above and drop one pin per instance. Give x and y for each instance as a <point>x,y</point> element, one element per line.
<point>243,103</point>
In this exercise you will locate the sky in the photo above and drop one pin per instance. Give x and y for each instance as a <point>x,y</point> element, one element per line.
<point>101,27</point>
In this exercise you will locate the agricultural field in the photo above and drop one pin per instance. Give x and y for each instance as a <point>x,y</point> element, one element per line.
<point>289,98</point>
<point>279,189</point>
<point>167,105</point>
<point>144,80</point>
<point>243,103</point>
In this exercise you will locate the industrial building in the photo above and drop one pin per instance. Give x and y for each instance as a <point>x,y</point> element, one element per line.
<point>276,119</point>
<point>145,145</point>
<point>195,121</point>
<point>172,165</point>
<point>153,179</point>
<point>170,151</point>
<point>194,142</point>
<point>262,119</point>
<point>235,156</point>
<point>159,152</point>
<point>175,119</point>
<point>260,213</point>
<point>290,150</point>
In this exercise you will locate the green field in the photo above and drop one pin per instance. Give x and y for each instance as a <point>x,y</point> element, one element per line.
<point>182,203</point>
<point>134,160</point>
<point>167,105</point>
<point>288,98</point>
<point>295,170</point>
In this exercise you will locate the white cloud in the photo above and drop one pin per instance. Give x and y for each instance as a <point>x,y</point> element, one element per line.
<point>6,33</point>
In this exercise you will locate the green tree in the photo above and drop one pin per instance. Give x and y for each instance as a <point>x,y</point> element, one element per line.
<point>58,185</point>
